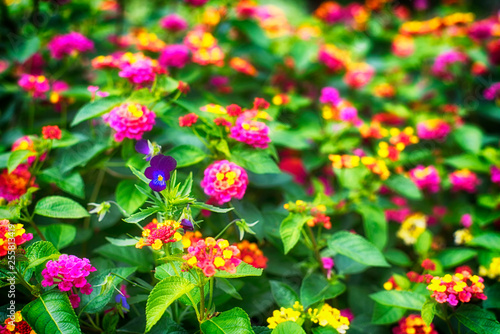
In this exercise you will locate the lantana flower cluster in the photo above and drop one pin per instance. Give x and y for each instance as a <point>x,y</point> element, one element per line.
<point>251,254</point>
<point>69,45</point>
<point>460,287</point>
<point>412,228</point>
<point>325,316</point>
<point>493,270</point>
<point>130,120</point>
<point>157,234</point>
<point>69,273</point>
<point>17,326</point>
<point>211,255</point>
<point>318,213</point>
<point>224,180</point>
<point>413,324</point>
<point>14,232</point>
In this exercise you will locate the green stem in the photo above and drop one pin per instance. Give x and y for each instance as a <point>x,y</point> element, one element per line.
<point>32,115</point>
<point>316,249</point>
<point>202,303</point>
<point>93,198</point>
<point>23,282</point>
<point>225,228</point>
<point>447,319</point>
<point>211,282</point>
<point>188,294</point>
<point>29,220</point>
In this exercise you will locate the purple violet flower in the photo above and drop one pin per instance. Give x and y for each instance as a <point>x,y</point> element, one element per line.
<point>159,171</point>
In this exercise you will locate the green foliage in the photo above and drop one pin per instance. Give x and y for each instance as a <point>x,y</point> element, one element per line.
<point>234,321</point>
<point>60,207</point>
<point>290,230</point>
<point>51,313</point>
<point>357,248</point>
<point>164,294</point>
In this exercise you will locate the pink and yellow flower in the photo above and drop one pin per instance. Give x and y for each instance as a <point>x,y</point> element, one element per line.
<point>157,234</point>
<point>130,120</point>
<point>460,287</point>
<point>14,232</point>
<point>426,178</point>
<point>251,132</point>
<point>35,85</point>
<point>433,129</point>
<point>211,255</point>
<point>224,180</point>
<point>464,180</point>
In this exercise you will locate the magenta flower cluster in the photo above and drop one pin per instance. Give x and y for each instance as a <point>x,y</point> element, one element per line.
<point>492,92</point>
<point>69,44</point>
<point>141,72</point>
<point>173,22</point>
<point>251,132</point>
<point>69,272</point>
<point>426,178</point>
<point>36,85</point>
<point>464,180</point>
<point>443,63</point>
<point>175,55</point>
<point>433,129</point>
<point>130,120</point>
<point>224,180</point>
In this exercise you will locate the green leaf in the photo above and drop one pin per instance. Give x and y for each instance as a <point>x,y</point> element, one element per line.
<point>288,327</point>
<point>96,109</point>
<point>164,293</point>
<point>258,161</point>
<point>71,183</point>
<point>404,186</point>
<point>60,235</point>
<point>52,313</point>
<point>404,299</point>
<point>478,320</point>
<point>384,315</point>
<point>352,178</point>
<point>187,155</point>
<point>205,206</point>
<point>493,294</point>
<point>469,137</point>
<point>283,294</point>
<point>253,31</point>
<point>234,321</point>
<point>167,270</point>
<point>228,288</point>
<point>324,330</point>
<point>398,257</point>
<point>141,215</point>
<point>374,223</point>
<point>60,207</point>
<point>488,240</point>
<point>316,288</point>
<point>469,161</point>
<point>290,230</point>
<point>104,288</point>
<point>122,242</point>
<point>242,270</point>
<point>38,253</point>
<point>140,258</point>
<point>357,248</point>
<point>22,48</point>
<point>139,174</point>
<point>452,257</point>
<point>128,197</point>
<point>424,242</point>
<point>428,311</point>
<point>16,158</point>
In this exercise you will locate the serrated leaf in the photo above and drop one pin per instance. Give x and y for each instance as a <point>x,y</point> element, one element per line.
<point>290,230</point>
<point>478,320</point>
<point>384,315</point>
<point>428,311</point>
<point>164,294</point>
<point>316,288</point>
<point>60,235</point>
<point>403,186</point>
<point>96,109</point>
<point>187,155</point>
<point>129,197</point>
<point>71,183</point>
<point>228,288</point>
<point>488,240</point>
<point>452,257</point>
<point>374,223</point>
<point>60,207</point>
<point>234,321</point>
<point>283,294</point>
<point>242,270</point>
<point>52,313</point>
<point>16,158</point>
<point>403,299</point>
<point>357,248</point>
